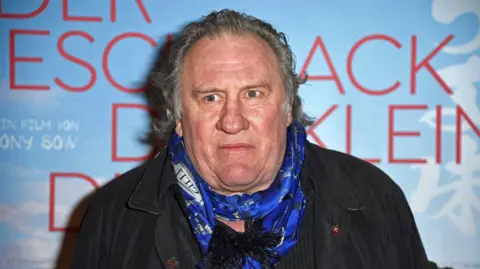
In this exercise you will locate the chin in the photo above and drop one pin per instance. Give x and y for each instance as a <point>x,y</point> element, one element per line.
<point>239,178</point>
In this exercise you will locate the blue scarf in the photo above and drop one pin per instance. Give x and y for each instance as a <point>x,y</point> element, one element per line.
<point>280,208</point>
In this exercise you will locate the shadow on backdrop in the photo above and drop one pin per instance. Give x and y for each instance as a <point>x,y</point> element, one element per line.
<point>152,98</point>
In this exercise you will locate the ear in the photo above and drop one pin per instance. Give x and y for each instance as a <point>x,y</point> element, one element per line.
<point>178,128</point>
<point>289,116</point>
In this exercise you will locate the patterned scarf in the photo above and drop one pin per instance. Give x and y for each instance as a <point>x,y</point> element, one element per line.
<point>278,210</point>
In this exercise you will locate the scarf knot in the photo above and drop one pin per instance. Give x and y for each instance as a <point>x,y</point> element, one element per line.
<point>234,250</point>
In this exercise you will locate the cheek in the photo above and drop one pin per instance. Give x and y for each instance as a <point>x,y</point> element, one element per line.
<point>199,141</point>
<point>198,120</point>
<point>201,130</point>
<point>269,122</point>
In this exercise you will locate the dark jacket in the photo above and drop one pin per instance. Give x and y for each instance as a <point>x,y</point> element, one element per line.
<point>358,219</point>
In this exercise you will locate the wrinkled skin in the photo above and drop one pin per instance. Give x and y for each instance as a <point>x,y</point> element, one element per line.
<point>233,122</point>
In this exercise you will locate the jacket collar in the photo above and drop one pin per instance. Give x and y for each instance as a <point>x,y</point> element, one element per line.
<point>154,184</point>
<point>330,181</point>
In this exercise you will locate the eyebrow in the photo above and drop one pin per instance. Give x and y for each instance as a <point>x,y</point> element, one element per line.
<point>200,89</point>
<point>264,85</point>
<point>203,90</point>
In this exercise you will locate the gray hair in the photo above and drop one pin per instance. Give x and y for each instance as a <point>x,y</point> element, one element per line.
<point>166,78</point>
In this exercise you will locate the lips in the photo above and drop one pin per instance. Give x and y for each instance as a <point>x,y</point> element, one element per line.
<point>236,146</point>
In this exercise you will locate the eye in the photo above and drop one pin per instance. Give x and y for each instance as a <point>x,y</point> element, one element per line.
<point>210,98</point>
<point>252,93</point>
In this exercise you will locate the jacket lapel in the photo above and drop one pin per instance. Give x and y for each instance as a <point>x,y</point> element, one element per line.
<point>175,243</point>
<point>153,195</point>
<point>166,244</point>
<point>335,201</point>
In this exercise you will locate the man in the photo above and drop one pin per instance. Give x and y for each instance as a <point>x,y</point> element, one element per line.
<point>239,185</point>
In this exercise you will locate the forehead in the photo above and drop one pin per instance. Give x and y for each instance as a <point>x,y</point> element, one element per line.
<point>230,61</point>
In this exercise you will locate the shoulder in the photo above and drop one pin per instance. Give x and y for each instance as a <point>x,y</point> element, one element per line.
<point>364,177</point>
<point>355,179</point>
<point>117,191</point>
<point>383,207</point>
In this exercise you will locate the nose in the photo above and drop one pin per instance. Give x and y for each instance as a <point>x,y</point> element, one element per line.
<point>232,121</point>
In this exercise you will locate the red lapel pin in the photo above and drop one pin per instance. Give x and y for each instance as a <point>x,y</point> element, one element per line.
<point>172,263</point>
<point>336,230</point>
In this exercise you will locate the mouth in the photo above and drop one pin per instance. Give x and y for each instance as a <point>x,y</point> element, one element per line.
<point>236,146</point>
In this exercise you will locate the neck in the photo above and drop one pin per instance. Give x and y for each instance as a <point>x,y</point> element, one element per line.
<point>238,226</point>
<point>250,189</point>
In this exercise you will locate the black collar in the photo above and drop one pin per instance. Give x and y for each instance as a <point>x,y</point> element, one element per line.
<point>154,184</point>
<point>326,173</point>
<point>332,182</point>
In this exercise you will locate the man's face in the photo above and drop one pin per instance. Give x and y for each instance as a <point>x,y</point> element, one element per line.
<point>233,123</point>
